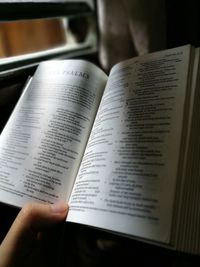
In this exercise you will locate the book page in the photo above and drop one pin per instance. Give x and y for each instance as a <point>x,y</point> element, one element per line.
<point>127,178</point>
<point>43,142</point>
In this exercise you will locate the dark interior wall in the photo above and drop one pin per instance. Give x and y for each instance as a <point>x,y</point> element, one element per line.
<point>183,23</point>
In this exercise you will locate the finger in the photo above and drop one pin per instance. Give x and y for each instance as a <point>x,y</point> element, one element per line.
<point>32,219</point>
<point>35,217</point>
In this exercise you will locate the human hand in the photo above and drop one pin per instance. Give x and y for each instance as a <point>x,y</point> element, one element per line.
<point>25,236</point>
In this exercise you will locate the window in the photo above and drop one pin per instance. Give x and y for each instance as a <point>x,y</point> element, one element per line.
<point>32,31</point>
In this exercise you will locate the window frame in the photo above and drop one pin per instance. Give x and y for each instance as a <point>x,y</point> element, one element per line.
<point>15,10</point>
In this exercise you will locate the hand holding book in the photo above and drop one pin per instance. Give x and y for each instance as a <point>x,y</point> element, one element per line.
<point>118,148</point>
<point>25,234</point>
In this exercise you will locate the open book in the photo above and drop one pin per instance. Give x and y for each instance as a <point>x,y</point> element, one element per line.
<point>123,150</point>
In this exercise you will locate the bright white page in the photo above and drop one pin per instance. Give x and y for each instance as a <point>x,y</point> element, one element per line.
<point>44,140</point>
<point>127,178</point>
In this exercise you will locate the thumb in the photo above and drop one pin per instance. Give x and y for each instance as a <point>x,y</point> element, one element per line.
<point>31,220</point>
<point>35,217</point>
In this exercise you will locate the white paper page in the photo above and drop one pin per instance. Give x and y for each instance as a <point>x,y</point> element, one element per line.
<point>43,142</point>
<point>127,179</point>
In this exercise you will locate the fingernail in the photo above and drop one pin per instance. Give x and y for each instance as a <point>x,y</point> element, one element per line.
<point>59,207</point>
